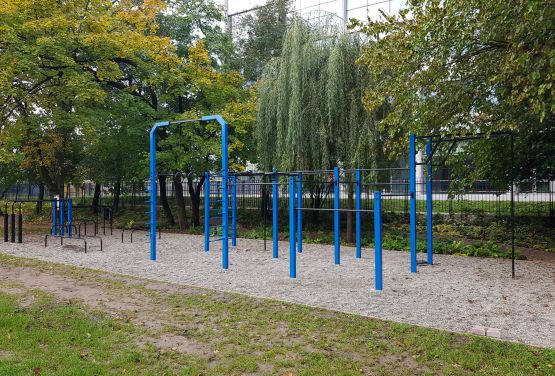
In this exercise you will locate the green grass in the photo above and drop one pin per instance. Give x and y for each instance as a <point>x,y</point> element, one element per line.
<point>241,335</point>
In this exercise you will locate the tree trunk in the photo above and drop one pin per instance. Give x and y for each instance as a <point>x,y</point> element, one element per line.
<point>117,194</point>
<point>38,207</point>
<point>96,197</point>
<point>164,200</point>
<point>350,205</point>
<point>194,192</point>
<point>180,199</point>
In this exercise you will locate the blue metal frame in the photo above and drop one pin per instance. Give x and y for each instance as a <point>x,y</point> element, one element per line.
<point>62,216</point>
<point>275,209</point>
<point>357,215</point>
<point>206,211</point>
<point>300,213</point>
<point>292,247</point>
<point>55,217</point>
<point>225,175</point>
<point>378,240</point>
<point>429,204</point>
<point>234,211</point>
<point>153,187</point>
<point>336,232</point>
<point>69,217</point>
<point>412,188</point>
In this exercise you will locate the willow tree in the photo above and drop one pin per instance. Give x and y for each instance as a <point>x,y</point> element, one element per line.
<point>310,109</point>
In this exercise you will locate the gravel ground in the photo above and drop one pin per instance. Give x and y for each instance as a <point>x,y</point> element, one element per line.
<point>457,293</point>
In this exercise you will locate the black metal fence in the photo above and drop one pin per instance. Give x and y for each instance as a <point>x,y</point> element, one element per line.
<point>481,198</point>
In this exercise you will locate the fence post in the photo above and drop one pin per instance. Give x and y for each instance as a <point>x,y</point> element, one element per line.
<point>357,215</point>
<point>292,250</point>
<point>275,209</point>
<point>429,203</point>
<point>336,231</point>
<point>412,188</point>
<point>378,240</point>
<point>300,213</point>
<point>206,212</point>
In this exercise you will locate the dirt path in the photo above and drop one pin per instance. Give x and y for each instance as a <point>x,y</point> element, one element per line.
<point>123,302</point>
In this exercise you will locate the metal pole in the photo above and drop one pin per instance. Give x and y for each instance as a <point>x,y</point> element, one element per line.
<point>6,224</point>
<point>55,217</point>
<point>292,248</point>
<point>62,216</point>
<point>206,211</point>
<point>69,216</point>
<point>275,209</point>
<point>378,240</point>
<point>13,226</point>
<point>336,215</point>
<point>153,189</point>
<point>300,213</point>
<point>429,203</point>
<point>357,215</point>
<point>234,212</point>
<point>512,205</point>
<point>412,187</point>
<point>20,226</point>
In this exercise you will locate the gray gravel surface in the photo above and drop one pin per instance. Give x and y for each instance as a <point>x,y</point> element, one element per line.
<point>457,293</point>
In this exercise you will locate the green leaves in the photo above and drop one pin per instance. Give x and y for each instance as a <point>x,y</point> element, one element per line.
<point>464,66</point>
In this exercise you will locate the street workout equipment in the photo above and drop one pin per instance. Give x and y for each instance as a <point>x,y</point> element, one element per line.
<point>220,197</point>
<point>223,188</point>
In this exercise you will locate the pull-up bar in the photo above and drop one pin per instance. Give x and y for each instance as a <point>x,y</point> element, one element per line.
<point>153,188</point>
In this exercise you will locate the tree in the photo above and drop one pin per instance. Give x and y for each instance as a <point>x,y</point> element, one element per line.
<point>190,150</point>
<point>465,66</point>
<point>59,58</point>
<point>259,37</point>
<point>311,114</point>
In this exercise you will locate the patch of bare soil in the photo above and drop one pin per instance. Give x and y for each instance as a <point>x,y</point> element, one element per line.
<point>139,310</point>
<point>537,255</point>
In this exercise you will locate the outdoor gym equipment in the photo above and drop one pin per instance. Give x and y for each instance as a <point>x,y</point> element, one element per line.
<point>59,222</point>
<point>11,226</point>
<point>223,175</point>
<point>432,144</point>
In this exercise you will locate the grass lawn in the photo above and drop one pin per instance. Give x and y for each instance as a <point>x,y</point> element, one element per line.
<point>62,320</point>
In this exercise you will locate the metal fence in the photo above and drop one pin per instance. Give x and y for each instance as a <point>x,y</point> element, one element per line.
<point>481,198</point>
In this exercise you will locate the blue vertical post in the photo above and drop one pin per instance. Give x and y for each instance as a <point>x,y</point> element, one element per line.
<point>292,248</point>
<point>62,216</point>
<point>336,233</point>
<point>378,240</point>
<point>225,193</point>
<point>55,217</point>
<point>412,189</point>
<point>300,213</point>
<point>153,191</point>
<point>234,211</point>
<point>357,214</point>
<point>69,216</point>
<point>206,211</point>
<point>429,203</point>
<point>275,209</point>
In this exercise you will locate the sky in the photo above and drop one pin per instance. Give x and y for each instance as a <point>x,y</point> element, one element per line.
<point>357,8</point>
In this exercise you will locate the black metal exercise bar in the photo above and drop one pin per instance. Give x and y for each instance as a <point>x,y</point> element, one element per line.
<point>62,240</point>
